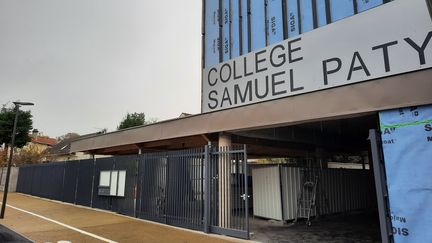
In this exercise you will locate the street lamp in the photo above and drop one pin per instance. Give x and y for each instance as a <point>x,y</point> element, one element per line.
<point>6,188</point>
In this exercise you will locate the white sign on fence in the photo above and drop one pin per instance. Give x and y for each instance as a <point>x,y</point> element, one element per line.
<point>390,39</point>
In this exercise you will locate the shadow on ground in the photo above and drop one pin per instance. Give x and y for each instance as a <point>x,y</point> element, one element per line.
<point>8,235</point>
<point>354,227</point>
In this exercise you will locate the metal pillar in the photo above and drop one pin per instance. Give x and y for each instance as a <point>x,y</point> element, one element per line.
<point>224,173</point>
<point>381,187</point>
<point>6,187</point>
<point>207,189</point>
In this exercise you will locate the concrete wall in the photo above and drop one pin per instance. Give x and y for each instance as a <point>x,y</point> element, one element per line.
<point>13,178</point>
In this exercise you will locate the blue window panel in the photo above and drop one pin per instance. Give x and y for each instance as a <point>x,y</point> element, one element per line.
<point>292,18</point>
<point>306,12</point>
<point>340,9</point>
<point>226,39</point>
<point>321,12</point>
<point>275,21</point>
<point>211,38</point>
<point>257,19</point>
<point>235,29</point>
<point>245,28</point>
<point>363,5</point>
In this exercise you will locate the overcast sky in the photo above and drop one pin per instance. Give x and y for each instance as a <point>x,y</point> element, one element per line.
<point>85,63</point>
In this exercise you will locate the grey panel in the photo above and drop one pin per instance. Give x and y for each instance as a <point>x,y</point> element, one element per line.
<point>70,181</point>
<point>342,190</point>
<point>291,186</point>
<point>84,184</point>
<point>267,192</point>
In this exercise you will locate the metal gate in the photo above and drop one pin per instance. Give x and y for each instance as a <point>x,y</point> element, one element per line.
<point>228,198</point>
<point>205,187</point>
<point>171,187</point>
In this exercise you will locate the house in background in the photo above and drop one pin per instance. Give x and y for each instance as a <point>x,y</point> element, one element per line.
<point>61,150</point>
<point>33,152</point>
<point>40,143</point>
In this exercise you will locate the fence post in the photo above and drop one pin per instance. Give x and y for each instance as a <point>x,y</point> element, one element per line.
<point>246,190</point>
<point>137,181</point>
<point>77,181</point>
<point>93,185</point>
<point>63,185</point>
<point>167,188</point>
<point>207,181</point>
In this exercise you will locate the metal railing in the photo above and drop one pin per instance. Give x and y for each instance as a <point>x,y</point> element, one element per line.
<point>203,188</point>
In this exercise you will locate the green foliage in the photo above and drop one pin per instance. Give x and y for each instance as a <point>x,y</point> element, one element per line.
<point>24,125</point>
<point>132,120</point>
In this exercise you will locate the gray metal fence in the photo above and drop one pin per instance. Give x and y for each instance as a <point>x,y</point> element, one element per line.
<point>171,187</point>
<point>203,189</point>
<point>229,197</point>
<point>77,182</point>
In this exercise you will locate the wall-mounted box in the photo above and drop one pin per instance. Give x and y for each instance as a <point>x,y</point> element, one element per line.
<point>112,183</point>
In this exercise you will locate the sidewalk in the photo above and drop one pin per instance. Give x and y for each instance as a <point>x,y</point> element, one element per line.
<point>46,221</point>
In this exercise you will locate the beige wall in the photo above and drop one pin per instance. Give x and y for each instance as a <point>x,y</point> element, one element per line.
<point>12,180</point>
<point>76,156</point>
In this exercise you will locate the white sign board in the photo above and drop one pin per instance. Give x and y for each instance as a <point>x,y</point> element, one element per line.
<point>112,183</point>
<point>390,39</point>
<point>122,183</point>
<point>104,179</point>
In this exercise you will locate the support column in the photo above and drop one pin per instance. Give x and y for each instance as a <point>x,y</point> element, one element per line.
<point>319,154</point>
<point>224,168</point>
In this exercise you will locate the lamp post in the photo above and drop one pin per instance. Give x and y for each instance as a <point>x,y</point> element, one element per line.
<point>6,188</point>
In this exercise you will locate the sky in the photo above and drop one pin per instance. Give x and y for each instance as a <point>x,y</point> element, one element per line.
<point>86,63</point>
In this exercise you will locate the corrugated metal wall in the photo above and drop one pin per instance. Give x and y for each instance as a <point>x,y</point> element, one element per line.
<point>341,190</point>
<point>267,192</point>
<point>291,185</point>
<point>347,190</point>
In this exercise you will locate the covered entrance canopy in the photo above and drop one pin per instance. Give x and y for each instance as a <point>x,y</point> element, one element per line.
<point>345,102</point>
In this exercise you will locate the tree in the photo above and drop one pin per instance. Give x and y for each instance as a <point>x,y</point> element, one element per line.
<point>132,120</point>
<point>24,125</point>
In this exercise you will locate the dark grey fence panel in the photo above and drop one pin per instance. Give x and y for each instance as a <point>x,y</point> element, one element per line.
<point>28,188</point>
<point>24,183</point>
<point>42,180</point>
<point>126,205</point>
<point>53,177</point>
<point>171,187</point>
<point>70,181</point>
<point>102,202</point>
<point>185,195</point>
<point>36,182</point>
<point>85,181</point>
<point>21,181</point>
<point>152,186</point>
<point>45,174</point>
